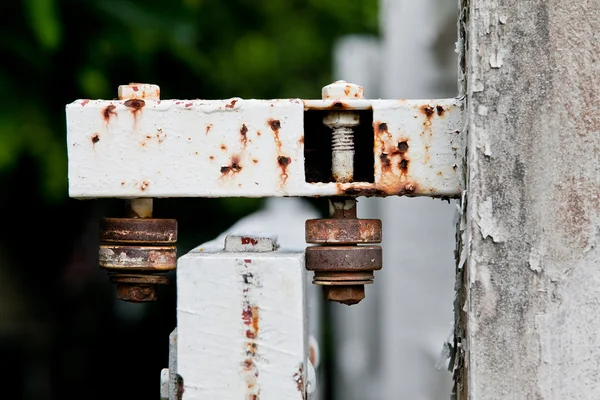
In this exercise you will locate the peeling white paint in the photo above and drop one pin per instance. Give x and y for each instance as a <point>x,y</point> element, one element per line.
<point>532,313</point>
<point>488,225</point>
<point>496,59</point>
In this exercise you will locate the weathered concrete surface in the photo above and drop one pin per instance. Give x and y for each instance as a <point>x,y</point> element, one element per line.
<point>530,317</point>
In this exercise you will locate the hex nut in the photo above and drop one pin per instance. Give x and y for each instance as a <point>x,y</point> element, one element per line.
<point>348,295</point>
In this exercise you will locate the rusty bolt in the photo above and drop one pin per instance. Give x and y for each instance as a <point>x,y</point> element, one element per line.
<point>342,124</point>
<point>138,288</point>
<point>136,293</point>
<point>340,90</point>
<point>348,295</point>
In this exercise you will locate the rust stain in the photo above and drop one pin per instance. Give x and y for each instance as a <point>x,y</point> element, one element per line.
<point>232,104</point>
<point>404,165</point>
<point>144,185</point>
<point>234,167</point>
<point>122,183</point>
<point>83,103</point>
<point>428,111</point>
<point>440,110</point>
<point>244,132</point>
<point>188,105</point>
<point>160,136</point>
<point>108,111</point>
<point>299,379</point>
<point>282,160</point>
<point>135,105</point>
<point>211,157</point>
<point>251,321</point>
<point>223,147</point>
<point>394,165</point>
<point>257,133</point>
<point>301,140</point>
<point>255,161</point>
<point>95,138</point>
<point>249,240</point>
<point>135,88</point>
<point>208,128</point>
<point>275,125</point>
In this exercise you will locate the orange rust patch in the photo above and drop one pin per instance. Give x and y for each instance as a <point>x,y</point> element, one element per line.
<point>243,132</point>
<point>428,111</point>
<point>135,105</point>
<point>234,167</point>
<point>223,147</point>
<point>83,103</point>
<point>144,185</point>
<point>440,110</point>
<point>208,127</point>
<point>95,138</point>
<point>299,379</point>
<point>108,111</point>
<point>275,125</point>
<point>301,140</point>
<point>232,104</point>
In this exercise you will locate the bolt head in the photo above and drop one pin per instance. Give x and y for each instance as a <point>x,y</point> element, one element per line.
<point>341,90</point>
<point>348,295</point>
<point>137,292</point>
<point>139,91</point>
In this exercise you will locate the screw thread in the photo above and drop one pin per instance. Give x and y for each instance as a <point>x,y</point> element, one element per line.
<point>342,139</point>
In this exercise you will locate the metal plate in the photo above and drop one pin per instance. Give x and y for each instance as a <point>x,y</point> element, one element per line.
<point>251,148</point>
<point>138,230</point>
<point>343,258</point>
<point>343,231</point>
<point>137,258</point>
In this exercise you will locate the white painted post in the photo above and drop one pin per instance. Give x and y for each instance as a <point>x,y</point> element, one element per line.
<point>242,313</point>
<point>529,305</point>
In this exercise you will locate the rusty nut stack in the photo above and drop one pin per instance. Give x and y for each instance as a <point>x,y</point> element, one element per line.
<point>137,252</point>
<point>345,258</point>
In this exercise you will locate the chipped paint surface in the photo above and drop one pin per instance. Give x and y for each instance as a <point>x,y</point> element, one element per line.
<point>242,324</point>
<point>251,148</point>
<point>527,304</point>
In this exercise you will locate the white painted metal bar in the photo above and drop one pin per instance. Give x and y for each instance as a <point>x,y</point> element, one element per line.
<point>242,324</point>
<point>244,311</point>
<point>251,148</point>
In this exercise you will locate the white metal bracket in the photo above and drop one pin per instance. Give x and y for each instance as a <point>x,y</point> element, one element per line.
<point>141,146</point>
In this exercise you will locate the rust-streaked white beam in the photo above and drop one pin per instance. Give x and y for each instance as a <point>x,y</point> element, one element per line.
<point>252,148</point>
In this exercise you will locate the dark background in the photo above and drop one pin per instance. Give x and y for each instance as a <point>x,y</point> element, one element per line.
<point>63,334</point>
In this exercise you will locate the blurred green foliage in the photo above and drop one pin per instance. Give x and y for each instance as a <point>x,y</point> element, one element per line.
<point>55,52</point>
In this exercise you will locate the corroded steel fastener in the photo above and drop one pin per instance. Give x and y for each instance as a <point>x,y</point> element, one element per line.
<point>342,124</point>
<point>345,259</point>
<point>134,251</point>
